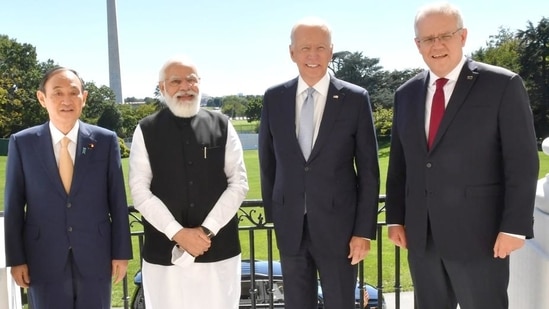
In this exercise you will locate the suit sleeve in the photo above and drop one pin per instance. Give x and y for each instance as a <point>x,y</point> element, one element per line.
<point>14,206</point>
<point>121,247</point>
<point>367,166</point>
<point>520,159</point>
<point>396,175</point>
<point>267,162</point>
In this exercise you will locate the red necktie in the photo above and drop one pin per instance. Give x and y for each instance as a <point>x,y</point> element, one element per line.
<point>437,111</point>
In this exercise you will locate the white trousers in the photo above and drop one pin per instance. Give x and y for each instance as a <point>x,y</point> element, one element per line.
<point>199,285</point>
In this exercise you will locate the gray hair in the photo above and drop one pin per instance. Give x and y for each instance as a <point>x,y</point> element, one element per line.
<point>443,8</point>
<point>311,22</point>
<point>179,59</point>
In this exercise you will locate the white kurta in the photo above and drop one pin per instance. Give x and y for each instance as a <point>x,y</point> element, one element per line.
<point>199,285</point>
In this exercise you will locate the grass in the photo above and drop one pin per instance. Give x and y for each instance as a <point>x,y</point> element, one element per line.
<point>252,166</point>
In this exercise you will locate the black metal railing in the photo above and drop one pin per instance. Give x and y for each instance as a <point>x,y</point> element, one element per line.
<point>252,222</point>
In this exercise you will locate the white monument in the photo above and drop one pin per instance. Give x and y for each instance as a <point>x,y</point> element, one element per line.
<point>529,282</point>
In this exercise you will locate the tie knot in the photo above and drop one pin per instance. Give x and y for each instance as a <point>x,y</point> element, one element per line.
<point>310,91</point>
<point>65,142</point>
<point>441,82</point>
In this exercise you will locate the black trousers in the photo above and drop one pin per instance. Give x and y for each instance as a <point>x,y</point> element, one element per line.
<point>442,282</point>
<point>338,278</point>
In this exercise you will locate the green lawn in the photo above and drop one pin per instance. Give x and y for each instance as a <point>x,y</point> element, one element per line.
<point>252,166</point>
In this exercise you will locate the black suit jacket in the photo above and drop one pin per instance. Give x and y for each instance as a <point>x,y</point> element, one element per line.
<point>479,178</point>
<point>340,178</point>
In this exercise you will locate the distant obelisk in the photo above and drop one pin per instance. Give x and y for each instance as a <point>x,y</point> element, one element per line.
<point>115,81</point>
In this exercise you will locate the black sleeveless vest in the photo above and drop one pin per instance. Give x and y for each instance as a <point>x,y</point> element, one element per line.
<point>187,157</point>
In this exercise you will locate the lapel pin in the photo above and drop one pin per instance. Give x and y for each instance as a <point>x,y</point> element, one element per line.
<point>470,77</point>
<point>83,150</point>
<point>336,96</point>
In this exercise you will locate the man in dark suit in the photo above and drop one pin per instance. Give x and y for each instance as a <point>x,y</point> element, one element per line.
<point>460,197</point>
<point>65,239</point>
<point>321,197</point>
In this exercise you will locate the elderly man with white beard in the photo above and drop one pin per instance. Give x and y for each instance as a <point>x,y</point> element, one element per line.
<point>188,179</point>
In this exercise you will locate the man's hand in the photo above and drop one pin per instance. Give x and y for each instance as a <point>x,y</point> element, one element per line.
<point>359,248</point>
<point>397,235</point>
<point>193,240</point>
<point>119,268</point>
<point>20,274</point>
<point>505,244</point>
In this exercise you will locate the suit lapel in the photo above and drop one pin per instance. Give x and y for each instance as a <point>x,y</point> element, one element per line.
<point>334,104</point>
<point>465,82</point>
<point>44,146</point>
<point>419,100</point>
<point>83,156</point>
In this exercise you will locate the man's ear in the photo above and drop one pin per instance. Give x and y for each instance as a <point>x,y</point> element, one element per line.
<point>84,97</point>
<point>41,98</point>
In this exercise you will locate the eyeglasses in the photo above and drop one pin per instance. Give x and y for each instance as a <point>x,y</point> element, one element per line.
<point>443,38</point>
<point>190,80</point>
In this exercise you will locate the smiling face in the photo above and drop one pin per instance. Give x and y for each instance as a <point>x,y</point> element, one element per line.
<point>311,50</point>
<point>64,98</point>
<point>180,88</point>
<point>440,40</point>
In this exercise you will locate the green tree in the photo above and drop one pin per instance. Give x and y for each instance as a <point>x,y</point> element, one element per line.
<point>99,99</point>
<point>501,50</point>
<point>20,75</point>
<point>234,106</point>
<point>253,108</point>
<point>111,118</point>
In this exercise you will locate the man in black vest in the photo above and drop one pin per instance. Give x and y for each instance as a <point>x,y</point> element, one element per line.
<point>188,179</point>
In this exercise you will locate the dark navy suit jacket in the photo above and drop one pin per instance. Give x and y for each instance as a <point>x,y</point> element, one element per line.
<point>479,178</point>
<point>340,178</point>
<point>43,222</point>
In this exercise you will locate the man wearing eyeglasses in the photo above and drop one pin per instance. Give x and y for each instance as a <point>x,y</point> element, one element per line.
<point>188,179</point>
<point>462,170</point>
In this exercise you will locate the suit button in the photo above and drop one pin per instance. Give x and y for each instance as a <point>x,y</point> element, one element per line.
<point>191,205</point>
<point>69,205</point>
<point>190,163</point>
<point>69,229</point>
<point>428,165</point>
<point>307,168</point>
<point>191,183</point>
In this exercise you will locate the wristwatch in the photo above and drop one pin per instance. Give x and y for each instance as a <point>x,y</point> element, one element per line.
<point>207,231</point>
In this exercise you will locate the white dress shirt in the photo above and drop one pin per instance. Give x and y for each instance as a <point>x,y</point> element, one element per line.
<point>57,136</point>
<point>156,212</point>
<point>320,95</point>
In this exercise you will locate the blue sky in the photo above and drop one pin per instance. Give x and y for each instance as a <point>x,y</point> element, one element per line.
<point>239,46</point>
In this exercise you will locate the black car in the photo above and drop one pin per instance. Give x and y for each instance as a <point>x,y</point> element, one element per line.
<point>260,293</point>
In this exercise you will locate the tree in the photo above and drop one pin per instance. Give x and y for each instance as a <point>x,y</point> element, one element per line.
<point>501,50</point>
<point>234,106</point>
<point>99,99</point>
<point>253,108</point>
<point>111,118</point>
<point>19,79</point>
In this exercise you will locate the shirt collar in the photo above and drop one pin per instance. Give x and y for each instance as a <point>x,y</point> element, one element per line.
<point>57,135</point>
<point>452,76</point>
<point>321,86</point>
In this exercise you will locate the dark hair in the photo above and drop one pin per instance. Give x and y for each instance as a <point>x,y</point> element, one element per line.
<point>52,71</point>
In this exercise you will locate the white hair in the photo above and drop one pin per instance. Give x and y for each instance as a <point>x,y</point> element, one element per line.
<point>443,8</point>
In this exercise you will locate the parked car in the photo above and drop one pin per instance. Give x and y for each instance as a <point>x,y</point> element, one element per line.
<point>261,291</point>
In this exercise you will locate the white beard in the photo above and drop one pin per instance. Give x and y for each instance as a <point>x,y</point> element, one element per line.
<point>184,109</point>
